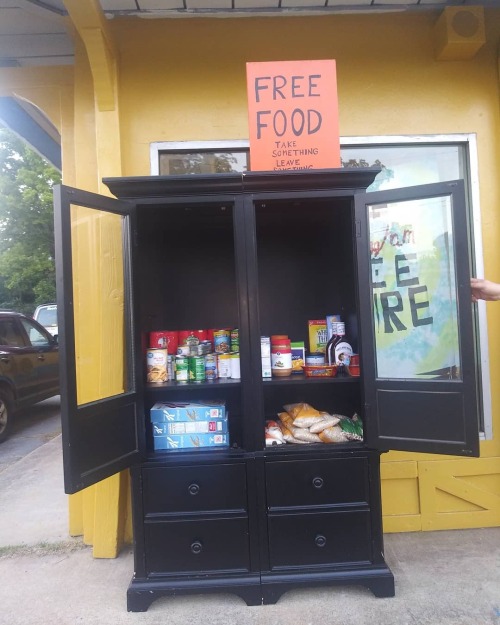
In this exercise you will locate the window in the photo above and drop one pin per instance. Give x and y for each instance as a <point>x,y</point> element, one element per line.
<point>405,161</point>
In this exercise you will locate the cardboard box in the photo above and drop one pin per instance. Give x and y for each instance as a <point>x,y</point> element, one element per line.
<point>162,412</point>
<point>216,426</point>
<point>190,441</point>
<point>298,356</point>
<point>266,367</point>
<point>317,336</point>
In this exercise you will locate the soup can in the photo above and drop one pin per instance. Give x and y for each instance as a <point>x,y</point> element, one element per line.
<point>196,368</point>
<point>222,341</point>
<point>224,362</point>
<point>181,369</point>
<point>211,367</point>
<point>158,340</point>
<point>235,340</point>
<point>235,366</point>
<point>183,350</point>
<point>171,367</point>
<point>172,337</point>
<point>184,335</point>
<point>156,365</point>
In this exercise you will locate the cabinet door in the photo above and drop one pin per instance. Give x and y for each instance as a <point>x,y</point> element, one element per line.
<point>99,395</point>
<point>418,356</point>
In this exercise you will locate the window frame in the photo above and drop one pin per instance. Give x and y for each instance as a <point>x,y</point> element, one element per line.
<point>469,142</point>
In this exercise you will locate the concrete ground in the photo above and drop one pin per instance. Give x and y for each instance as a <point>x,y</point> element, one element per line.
<point>442,578</point>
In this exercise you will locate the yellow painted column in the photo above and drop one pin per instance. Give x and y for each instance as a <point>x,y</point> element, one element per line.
<point>100,511</point>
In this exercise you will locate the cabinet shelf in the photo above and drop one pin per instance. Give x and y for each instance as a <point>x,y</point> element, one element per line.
<point>302,379</point>
<point>192,386</point>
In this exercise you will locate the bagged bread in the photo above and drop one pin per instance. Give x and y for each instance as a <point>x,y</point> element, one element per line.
<point>303,434</point>
<point>303,415</point>
<point>333,434</point>
<point>305,409</point>
<point>327,421</point>
<point>285,419</point>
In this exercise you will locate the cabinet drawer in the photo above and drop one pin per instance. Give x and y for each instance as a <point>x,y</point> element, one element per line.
<point>317,482</point>
<point>194,546</point>
<point>319,539</point>
<point>194,488</point>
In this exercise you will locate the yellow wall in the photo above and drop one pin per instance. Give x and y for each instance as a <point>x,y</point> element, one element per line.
<point>184,79</point>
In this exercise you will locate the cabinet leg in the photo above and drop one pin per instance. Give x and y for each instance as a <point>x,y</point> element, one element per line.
<point>139,601</point>
<point>382,587</point>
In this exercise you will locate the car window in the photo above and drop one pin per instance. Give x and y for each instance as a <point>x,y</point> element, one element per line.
<point>9,334</point>
<point>36,336</point>
<point>47,316</point>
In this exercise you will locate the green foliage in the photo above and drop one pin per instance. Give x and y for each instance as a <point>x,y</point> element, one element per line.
<point>27,270</point>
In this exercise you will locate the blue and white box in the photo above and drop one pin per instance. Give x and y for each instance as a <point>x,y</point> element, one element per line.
<point>215,426</point>
<point>190,441</point>
<point>163,412</point>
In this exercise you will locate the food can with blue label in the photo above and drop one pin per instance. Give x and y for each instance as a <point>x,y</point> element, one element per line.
<point>156,365</point>
<point>211,367</point>
<point>222,341</point>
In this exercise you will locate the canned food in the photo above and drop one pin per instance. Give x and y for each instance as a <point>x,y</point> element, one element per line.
<point>222,341</point>
<point>158,340</point>
<point>224,362</point>
<point>156,366</point>
<point>205,347</point>
<point>315,359</point>
<point>183,336</point>
<point>211,367</point>
<point>235,366</point>
<point>235,340</point>
<point>196,368</point>
<point>183,350</point>
<point>171,367</point>
<point>181,369</point>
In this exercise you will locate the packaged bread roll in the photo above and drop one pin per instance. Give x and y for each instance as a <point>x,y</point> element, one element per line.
<point>333,434</point>
<point>327,421</point>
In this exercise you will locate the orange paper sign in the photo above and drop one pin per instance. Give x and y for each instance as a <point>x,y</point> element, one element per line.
<point>293,115</point>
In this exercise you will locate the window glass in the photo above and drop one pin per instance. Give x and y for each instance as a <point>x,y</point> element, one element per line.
<point>408,165</point>
<point>203,162</point>
<point>36,337</point>
<point>9,334</point>
<point>414,289</point>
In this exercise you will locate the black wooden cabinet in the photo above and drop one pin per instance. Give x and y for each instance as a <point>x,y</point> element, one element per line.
<point>265,252</point>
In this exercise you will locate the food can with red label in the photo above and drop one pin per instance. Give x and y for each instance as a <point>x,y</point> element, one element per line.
<point>158,340</point>
<point>156,365</point>
<point>184,335</point>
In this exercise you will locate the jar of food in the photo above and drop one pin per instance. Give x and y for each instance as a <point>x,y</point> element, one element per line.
<point>281,357</point>
<point>315,359</point>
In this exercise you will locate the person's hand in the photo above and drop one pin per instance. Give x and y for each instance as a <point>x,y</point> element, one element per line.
<point>484,289</point>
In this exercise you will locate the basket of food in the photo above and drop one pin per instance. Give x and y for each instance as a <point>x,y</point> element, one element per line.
<point>320,371</point>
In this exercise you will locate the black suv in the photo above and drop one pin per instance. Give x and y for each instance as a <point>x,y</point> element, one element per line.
<point>29,366</point>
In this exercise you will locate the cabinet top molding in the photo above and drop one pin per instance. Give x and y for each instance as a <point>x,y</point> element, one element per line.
<point>352,179</point>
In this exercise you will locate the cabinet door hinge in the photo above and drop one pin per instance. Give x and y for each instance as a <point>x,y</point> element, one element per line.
<point>357,225</point>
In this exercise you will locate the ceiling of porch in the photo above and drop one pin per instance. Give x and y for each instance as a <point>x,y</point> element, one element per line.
<point>33,32</point>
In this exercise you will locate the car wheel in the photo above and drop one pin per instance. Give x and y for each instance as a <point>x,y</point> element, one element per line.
<point>5,414</point>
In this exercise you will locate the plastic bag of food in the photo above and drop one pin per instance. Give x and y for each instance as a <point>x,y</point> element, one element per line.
<point>327,421</point>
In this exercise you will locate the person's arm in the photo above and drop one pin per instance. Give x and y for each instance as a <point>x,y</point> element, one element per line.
<point>484,289</point>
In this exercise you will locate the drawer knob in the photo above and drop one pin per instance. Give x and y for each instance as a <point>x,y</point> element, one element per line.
<point>318,482</point>
<point>193,489</point>
<point>196,547</point>
<point>320,540</point>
